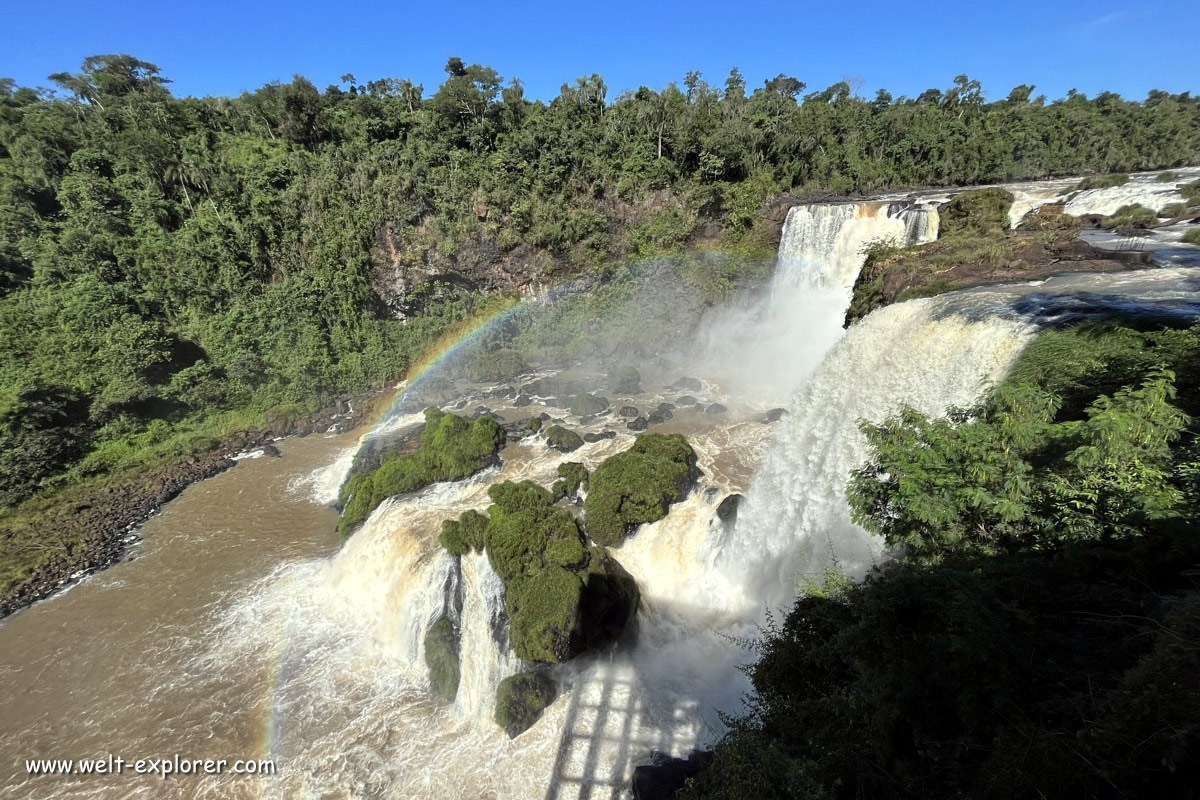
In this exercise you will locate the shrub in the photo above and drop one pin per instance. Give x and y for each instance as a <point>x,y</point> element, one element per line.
<point>451,449</point>
<point>624,379</point>
<point>1130,216</point>
<point>637,486</point>
<point>441,656</point>
<point>1173,210</point>
<point>521,699</point>
<point>1191,237</point>
<point>465,534</point>
<point>494,365</point>
<point>563,440</point>
<point>1167,176</point>
<point>1103,181</point>
<point>976,211</point>
<point>1191,192</point>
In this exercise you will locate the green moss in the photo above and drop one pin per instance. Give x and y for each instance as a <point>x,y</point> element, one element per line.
<point>572,475</point>
<point>1191,192</point>
<point>1192,236</point>
<point>524,524</point>
<point>563,440</point>
<point>1103,181</point>
<point>534,424</point>
<point>1167,177</point>
<point>451,449</point>
<point>441,656</point>
<point>586,404</point>
<point>637,486</point>
<point>624,379</point>
<point>521,699</point>
<point>544,616</point>
<point>977,210</point>
<point>1173,210</point>
<point>464,534</point>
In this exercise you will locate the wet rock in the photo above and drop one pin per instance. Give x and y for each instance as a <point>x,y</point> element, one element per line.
<point>597,437</point>
<point>563,440</point>
<point>658,417</point>
<point>710,494</point>
<point>666,406</point>
<point>271,451</point>
<point>691,384</point>
<point>521,401</point>
<point>686,400</point>
<point>628,411</point>
<point>638,424</point>
<point>775,414</point>
<point>716,408</point>
<point>520,700</point>
<point>544,417</point>
<point>727,511</point>
<point>665,776</point>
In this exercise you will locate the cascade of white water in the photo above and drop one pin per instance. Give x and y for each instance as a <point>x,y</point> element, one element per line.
<point>484,655</point>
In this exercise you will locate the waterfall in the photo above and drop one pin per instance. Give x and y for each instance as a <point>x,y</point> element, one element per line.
<point>764,347</point>
<point>484,655</point>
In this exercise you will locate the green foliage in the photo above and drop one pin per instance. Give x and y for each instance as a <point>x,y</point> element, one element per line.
<point>1191,192</point>
<point>524,524</point>
<point>1103,181</point>
<point>521,699</point>
<point>1167,177</point>
<point>1030,675</point>
<point>976,211</point>
<point>1172,210</point>
<point>624,379</point>
<point>1128,216</point>
<point>637,486</point>
<point>1087,440</point>
<point>562,439</point>
<point>451,449</point>
<point>441,657</point>
<point>586,404</point>
<point>1191,237</point>
<point>494,365</point>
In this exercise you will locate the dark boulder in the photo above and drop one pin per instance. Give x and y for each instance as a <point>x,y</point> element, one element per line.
<point>665,776</point>
<point>658,417</point>
<point>691,384</point>
<point>563,440</point>
<point>596,437</point>
<point>727,511</point>
<point>521,699</point>
<point>775,414</point>
<point>521,401</point>
<point>628,411</point>
<point>271,451</point>
<point>666,406</point>
<point>638,424</point>
<point>716,408</point>
<point>686,400</point>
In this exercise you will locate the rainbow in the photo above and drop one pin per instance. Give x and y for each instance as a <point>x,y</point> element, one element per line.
<point>450,344</point>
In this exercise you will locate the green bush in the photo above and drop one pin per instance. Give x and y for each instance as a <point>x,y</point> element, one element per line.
<point>451,449</point>
<point>1103,181</point>
<point>586,404</point>
<point>563,440</point>
<point>1191,237</point>
<point>624,379</point>
<point>976,211</point>
<point>521,699</point>
<point>637,486</point>
<point>1191,192</point>
<point>441,657</point>
<point>1167,177</point>
<point>1130,216</point>
<point>494,365</point>
<point>1172,210</point>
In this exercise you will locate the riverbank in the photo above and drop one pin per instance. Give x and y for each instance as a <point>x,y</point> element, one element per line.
<point>54,542</point>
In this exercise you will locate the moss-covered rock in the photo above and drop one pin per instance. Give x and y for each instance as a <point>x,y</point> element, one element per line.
<point>586,404</point>
<point>521,699</point>
<point>624,379</point>
<point>976,211</point>
<point>451,449</point>
<point>494,365</point>
<point>610,600</point>
<point>1133,215</point>
<point>637,486</point>
<point>563,440</point>
<point>461,536</point>
<point>441,656</point>
<point>572,475</point>
<point>1102,181</point>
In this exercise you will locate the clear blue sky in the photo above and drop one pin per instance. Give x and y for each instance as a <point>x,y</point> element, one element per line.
<point>223,47</point>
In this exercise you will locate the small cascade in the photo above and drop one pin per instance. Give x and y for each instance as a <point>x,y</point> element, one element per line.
<point>484,655</point>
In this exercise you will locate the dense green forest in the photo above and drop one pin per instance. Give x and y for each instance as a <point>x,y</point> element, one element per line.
<point>171,267</point>
<point>1039,634</point>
